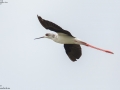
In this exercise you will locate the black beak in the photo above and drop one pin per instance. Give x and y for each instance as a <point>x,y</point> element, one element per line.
<point>39,38</point>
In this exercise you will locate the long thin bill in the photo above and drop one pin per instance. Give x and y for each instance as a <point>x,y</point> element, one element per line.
<point>107,51</point>
<point>38,38</point>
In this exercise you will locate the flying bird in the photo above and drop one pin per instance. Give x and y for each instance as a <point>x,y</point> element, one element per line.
<point>71,44</point>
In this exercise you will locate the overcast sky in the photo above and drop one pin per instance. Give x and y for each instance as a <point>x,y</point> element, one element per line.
<point>28,64</point>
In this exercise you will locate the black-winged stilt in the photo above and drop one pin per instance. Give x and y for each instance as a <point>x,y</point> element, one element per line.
<point>71,43</point>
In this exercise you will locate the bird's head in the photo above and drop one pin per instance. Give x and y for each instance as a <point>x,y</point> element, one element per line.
<point>47,35</point>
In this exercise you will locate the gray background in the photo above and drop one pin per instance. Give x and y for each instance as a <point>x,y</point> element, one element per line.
<point>26,64</point>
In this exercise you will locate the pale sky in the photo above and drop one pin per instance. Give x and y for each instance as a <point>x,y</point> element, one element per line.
<point>28,64</point>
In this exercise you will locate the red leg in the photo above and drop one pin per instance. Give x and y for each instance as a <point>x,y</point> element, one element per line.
<point>107,51</point>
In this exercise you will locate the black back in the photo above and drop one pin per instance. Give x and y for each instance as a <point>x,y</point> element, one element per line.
<point>73,51</point>
<point>52,26</point>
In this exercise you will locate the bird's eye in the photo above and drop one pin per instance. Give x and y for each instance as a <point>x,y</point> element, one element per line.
<point>47,34</point>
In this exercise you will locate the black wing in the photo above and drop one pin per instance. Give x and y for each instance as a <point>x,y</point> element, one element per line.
<point>52,26</point>
<point>73,51</point>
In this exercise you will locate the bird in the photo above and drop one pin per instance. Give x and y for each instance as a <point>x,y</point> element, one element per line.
<point>71,44</point>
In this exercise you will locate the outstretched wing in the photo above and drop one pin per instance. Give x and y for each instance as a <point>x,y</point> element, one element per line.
<point>73,51</point>
<point>52,26</point>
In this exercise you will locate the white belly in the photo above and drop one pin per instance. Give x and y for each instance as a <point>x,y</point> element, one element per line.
<point>64,40</point>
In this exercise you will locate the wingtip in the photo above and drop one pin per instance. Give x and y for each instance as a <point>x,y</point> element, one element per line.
<point>39,17</point>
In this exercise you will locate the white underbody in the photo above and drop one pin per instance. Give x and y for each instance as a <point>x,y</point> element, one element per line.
<point>65,39</point>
